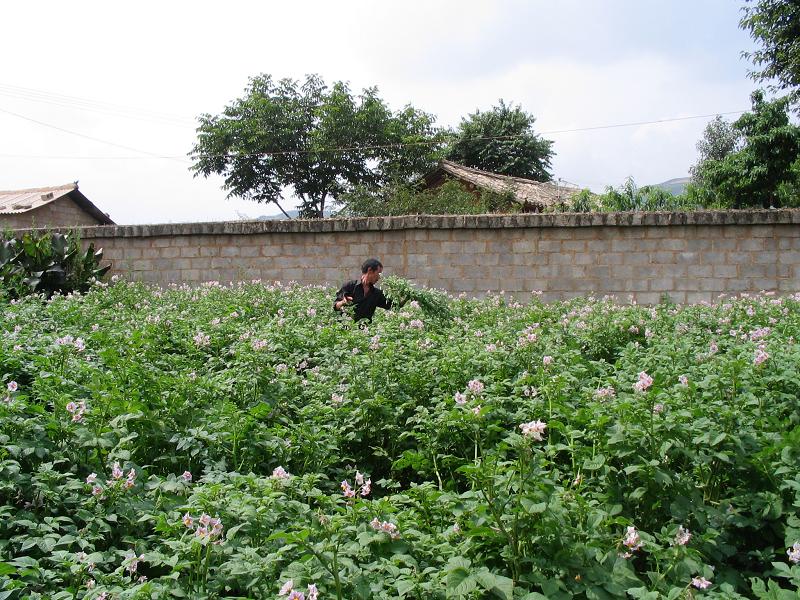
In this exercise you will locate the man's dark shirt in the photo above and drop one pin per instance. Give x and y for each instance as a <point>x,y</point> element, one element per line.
<point>364,305</point>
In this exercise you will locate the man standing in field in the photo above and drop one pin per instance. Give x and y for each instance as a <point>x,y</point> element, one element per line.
<point>362,293</point>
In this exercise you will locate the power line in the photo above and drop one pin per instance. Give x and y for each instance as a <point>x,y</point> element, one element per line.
<point>88,137</point>
<point>74,102</point>
<point>351,148</point>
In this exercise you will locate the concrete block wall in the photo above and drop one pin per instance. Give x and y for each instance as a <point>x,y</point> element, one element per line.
<point>691,257</point>
<point>59,213</point>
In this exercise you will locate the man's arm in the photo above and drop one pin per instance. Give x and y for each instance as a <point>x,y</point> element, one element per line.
<point>383,301</point>
<point>344,295</point>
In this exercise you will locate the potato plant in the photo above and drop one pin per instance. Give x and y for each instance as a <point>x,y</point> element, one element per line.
<point>244,441</point>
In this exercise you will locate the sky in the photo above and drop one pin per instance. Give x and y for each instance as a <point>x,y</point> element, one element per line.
<point>108,93</point>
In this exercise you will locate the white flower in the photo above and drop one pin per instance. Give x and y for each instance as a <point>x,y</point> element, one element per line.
<point>700,583</point>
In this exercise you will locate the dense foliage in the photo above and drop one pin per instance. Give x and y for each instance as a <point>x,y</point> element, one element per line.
<point>720,138</point>
<point>765,171</point>
<point>775,26</point>
<point>628,197</point>
<point>451,198</point>
<point>47,263</point>
<point>502,140</point>
<point>244,442</point>
<point>315,140</point>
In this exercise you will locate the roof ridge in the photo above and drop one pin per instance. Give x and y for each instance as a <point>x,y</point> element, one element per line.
<point>523,180</point>
<point>53,188</point>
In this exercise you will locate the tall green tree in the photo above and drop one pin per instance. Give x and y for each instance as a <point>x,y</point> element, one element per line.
<point>754,175</point>
<point>502,140</point>
<point>313,141</point>
<point>720,138</point>
<point>775,25</point>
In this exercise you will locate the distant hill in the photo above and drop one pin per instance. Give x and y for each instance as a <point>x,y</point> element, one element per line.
<point>676,186</point>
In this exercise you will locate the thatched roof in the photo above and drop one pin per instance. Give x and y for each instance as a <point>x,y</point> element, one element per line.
<point>527,192</point>
<point>15,202</point>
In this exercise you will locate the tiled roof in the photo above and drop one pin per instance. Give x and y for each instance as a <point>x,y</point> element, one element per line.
<point>524,190</point>
<point>14,202</point>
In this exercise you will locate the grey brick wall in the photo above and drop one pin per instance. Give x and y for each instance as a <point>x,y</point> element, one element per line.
<point>691,257</point>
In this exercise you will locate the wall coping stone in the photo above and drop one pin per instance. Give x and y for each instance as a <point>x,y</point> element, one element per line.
<point>490,221</point>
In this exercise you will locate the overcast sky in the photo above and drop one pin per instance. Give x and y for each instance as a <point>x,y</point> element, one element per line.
<point>134,76</point>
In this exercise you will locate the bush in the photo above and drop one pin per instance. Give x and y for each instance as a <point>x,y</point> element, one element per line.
<point>47,264</point>
<point>448,199</point>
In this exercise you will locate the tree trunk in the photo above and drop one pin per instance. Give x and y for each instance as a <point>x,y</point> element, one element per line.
<point>281,208</point>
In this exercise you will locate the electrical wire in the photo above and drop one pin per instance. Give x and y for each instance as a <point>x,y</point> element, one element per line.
<point>74,102</point>
<point>353,148</point>
<point>89,137</point>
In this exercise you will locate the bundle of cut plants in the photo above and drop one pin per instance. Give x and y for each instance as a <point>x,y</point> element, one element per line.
<point>433,303</point>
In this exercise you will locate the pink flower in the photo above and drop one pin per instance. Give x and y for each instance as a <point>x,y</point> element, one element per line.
<point>116,472</point>
<point>700,583</point>
<point>605,392</point>
<point>295,595</point>
<point>460,398</point>
<point>201,339</point>
<point>476,410</point>
<point>13,386</point>
<point>632,539</point>
<point>359,478</point>
<point>187,476</point>
<point>645,381</point>
<point>760,357</point>
<point>90,584</point>
<point>534,429</point>
<point>313,593</point>
<point>475,386</point>
<point>713,348</point>
<point>71,407</point>
<point>347,491</point>
<point>547,360</point>
<point>375,523</point>
<point>91,478</point>
<point>683,536</point>
<point>337,398</point>
<point>96,490</point>
<point>684,380</point>
<point>133,562</point>
<point>287,587</point>
<point>205,520</point>
<point>366,488</point>
<point>216,527</point>
<point>280,473</point>
<point>658,408</point>
<point>416,324</point>
<point>188,520</point>
<point>794,553</point>
<point>391,529</point>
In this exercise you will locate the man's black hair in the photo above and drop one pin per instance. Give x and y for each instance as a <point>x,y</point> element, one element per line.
<point>371,263</point>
